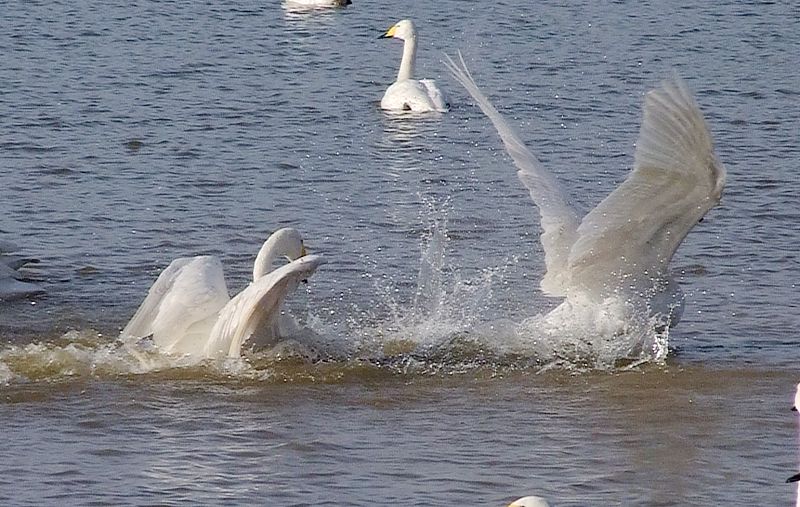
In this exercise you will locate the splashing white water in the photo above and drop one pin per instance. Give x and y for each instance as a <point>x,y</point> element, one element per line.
<point>451,314</point>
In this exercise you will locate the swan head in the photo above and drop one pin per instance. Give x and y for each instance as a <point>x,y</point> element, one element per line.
<point>288,243</point>
<point>529,501</point>
<point>403,30</point>
<point>285,242</point>
<point>796,405</point>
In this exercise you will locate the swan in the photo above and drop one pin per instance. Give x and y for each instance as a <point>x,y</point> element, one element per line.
<point>316,4</point>
<point>407,93</point>
<point>529,501</point>
<point>796,399</point>
<point>796,477</point>
<point>616,258</point>
<point>13,284</point>
<point>188,311</point>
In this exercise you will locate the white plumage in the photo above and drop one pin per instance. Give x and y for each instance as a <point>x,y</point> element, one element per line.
<point>188,311</point>
<point>621,249</point>
<point>407,93</point>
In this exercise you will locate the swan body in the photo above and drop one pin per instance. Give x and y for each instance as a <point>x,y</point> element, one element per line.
<point>796,405</point>
<point>188,311</point>
<point>796,477</point>
<point>407,93</point>
<point>13,284</point>
<point>315,4</point>
<point>617,256</point>
<point>529,501</point>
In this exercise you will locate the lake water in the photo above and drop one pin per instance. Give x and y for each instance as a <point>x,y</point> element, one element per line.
<point>133,133</point>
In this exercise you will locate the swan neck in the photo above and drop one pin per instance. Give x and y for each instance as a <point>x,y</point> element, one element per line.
<point>264,260</point>
<point>409,55</point>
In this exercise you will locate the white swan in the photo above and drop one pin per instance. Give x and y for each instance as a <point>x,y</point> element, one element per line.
<point>796,405</point>
<point>529,501</point>
<point>407,93</point>
<point>796,477</point>
<point>618,255</point>
<point>315,4</point>
<point>13,284</point>
<point>188,310</point>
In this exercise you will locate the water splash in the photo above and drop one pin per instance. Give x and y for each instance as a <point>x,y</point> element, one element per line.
<point>445,308</point>
<point>452,320</point>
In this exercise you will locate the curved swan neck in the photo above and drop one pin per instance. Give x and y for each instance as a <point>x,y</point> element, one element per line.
<point>282,243</point>
<point>264,260</point>
<point>409,56</point>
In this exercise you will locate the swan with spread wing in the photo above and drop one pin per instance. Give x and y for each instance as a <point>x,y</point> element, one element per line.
<point>187,311</point>
<point>620,251</point>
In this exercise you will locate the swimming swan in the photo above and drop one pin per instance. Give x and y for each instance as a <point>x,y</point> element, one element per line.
<point>621,249</point>
<point>188,310</point>
<point>529,501</point>
<point>407,93</point>
<point>315,4</point>
<point>796,477</point>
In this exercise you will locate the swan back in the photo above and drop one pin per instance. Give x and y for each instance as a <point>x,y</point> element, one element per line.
<point>529,501</point>
<point>435,94</point>
<point>316,4</point>
<point>285,242</point>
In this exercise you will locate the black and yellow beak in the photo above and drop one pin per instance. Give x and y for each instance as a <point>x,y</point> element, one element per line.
<point>389,33</point>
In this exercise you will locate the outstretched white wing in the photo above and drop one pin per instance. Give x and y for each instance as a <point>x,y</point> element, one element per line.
<point>257,308</point>
<point>182,305</point>
<point>676,180</point>
<point>558,218</point>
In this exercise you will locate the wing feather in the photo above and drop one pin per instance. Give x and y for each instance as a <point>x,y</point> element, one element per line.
<point>182,305</point>
<point>676,180</point>
<point>141,324</point>
<point>257,307</point>
<point>559,219</point>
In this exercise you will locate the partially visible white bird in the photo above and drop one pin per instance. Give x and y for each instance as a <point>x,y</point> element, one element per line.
<point>529,501</point>
<point>13,284</point>
<point>617,256</point>
<point>407,93</point>
<point>315,4</point>
<point>796,477</point>
<point>188,311</point>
